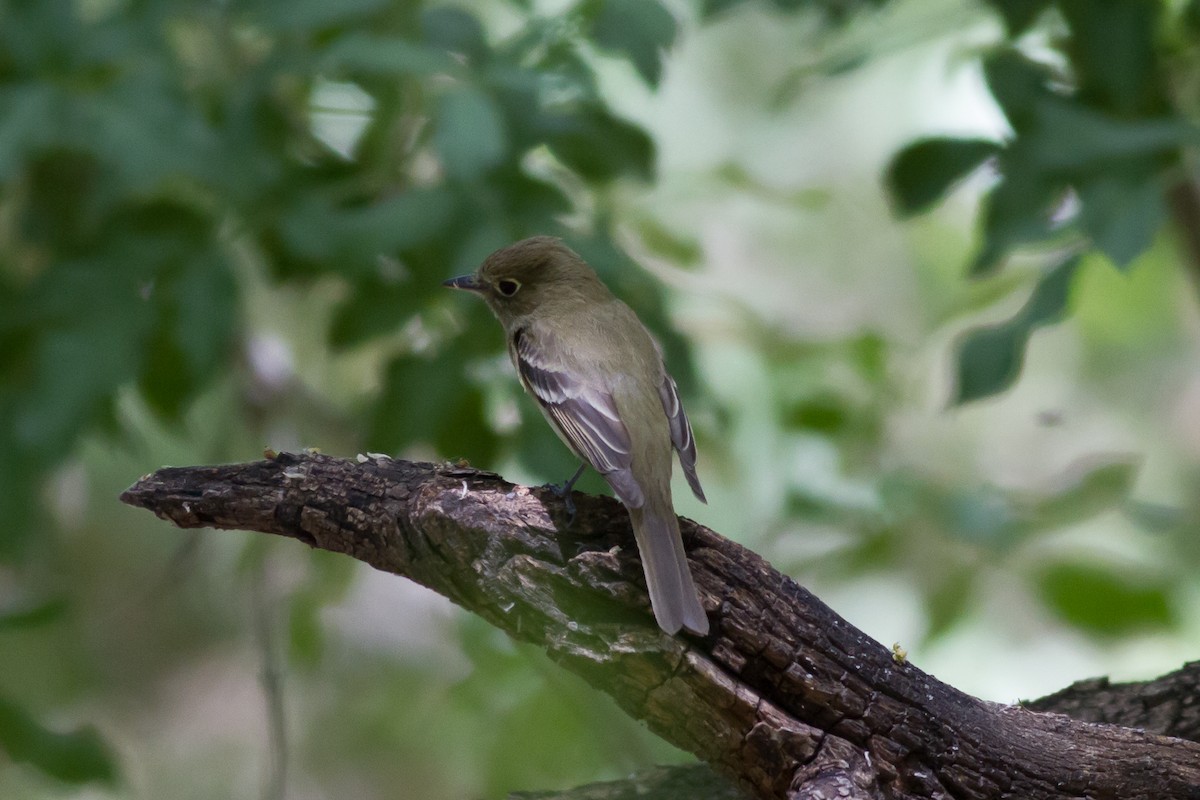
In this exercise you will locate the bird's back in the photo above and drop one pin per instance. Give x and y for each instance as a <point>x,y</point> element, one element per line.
<point>629,369</point>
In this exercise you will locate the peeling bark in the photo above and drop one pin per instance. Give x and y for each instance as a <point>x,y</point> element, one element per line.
<point>784,697</point>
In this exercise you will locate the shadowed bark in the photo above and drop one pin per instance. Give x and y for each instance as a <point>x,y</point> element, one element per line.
<point>784,697</point>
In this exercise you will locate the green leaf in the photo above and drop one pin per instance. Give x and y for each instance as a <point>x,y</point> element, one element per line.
<point>1159,518</point>
<point>1190,17</point>
<point>1100,600</point>
<point>424,403</point>
<point>925,171</point>
<point>67,196</point>
<point>531,205</point>
<point>947,600</point>
<point>455,30</point>
<point>382,303</point>
<point>165,383</point>
<point>1018,15</point>
<point>1017,83</point>
<point>91,322</point>
<point>1113,51</point>
<point>386,55</point>
<point>44,613</point>
<point>990,358</point>
<point>93,325</point>
<point>469,133</point>
<point>1121,215</point>
<point>1018,210</point>
<point>640,29</point>
<point>823,413</point>
<point>299,15</point>
<point>194,334</point>
<point>352,239</point>
<point>377,307</point>
<point>1089,488</point>
<point>989,361</point>
<point>1049,300</point>
<point>1071,136</point>
<point>599,146</point>
<point>680,248</point>
<point>869,353</point>
<point>80,756</point>
<point>28,112</point>
<point>21,473</point>
<point>205,293</point>
<point>1115,166</point>
<point>711,8</point>
<point>478,242</point>
<point>143,128</point>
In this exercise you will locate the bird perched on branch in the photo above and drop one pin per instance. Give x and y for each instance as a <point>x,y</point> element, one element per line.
<point>598,377</point>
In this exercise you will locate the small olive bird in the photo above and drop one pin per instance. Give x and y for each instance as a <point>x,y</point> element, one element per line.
<point>598,377</point>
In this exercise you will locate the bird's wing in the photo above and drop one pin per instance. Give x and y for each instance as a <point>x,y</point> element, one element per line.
<point>681,433</point>
<point>585,415</point>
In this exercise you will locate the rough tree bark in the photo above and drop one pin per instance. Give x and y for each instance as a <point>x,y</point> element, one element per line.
<point>784,697</point>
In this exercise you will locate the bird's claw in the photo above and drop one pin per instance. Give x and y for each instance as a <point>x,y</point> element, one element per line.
<point>563,491</point>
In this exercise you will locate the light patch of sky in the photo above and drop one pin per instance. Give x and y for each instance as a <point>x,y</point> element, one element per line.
<point>339,112</point>
<point>812,143</point>
<point>755,88</point>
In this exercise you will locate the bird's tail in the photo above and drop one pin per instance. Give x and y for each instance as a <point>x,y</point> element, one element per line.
<point>673,595</point>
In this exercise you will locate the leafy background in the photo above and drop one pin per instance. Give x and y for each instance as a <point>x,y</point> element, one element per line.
<point>928,274</point>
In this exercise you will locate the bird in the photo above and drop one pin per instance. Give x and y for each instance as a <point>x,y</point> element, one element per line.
<point>598,377</point>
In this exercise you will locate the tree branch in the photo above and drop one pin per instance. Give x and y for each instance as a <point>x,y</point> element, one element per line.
<point>1169,705</point>
<point>783,696</point>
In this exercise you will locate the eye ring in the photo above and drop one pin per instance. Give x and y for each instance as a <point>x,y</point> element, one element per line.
<point>507,286</point>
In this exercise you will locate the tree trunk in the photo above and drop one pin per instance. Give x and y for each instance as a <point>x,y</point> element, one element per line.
<point>783,697</point>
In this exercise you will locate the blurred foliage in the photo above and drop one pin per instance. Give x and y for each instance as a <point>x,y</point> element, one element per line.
<point>1105,601</point>
<point>1100,130</point>
<point>76,757</point>
<point>944,532</point>
<point>837,11</point>
<point>153,155</point>
<point>989,359</point>
<point>224,226</point>
<point>146,150</point>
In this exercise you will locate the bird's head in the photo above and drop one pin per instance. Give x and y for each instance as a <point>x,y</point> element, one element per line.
<point>517,280</point>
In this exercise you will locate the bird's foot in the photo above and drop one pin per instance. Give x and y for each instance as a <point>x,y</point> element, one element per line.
<point>563,492</point>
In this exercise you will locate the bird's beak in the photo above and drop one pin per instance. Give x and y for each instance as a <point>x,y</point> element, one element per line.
<point>467,282</point>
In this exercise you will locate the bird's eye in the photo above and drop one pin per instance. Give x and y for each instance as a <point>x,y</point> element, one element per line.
<point>508,287</point>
